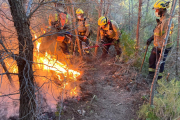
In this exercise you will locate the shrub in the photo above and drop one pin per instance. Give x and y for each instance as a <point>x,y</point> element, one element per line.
<point>166,102</point>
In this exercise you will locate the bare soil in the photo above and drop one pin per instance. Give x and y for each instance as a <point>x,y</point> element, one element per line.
<point>110,91</point>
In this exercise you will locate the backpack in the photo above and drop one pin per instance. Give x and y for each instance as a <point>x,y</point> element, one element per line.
<point>83,21</point>
<point>90,32</point>
<point>110,27</point>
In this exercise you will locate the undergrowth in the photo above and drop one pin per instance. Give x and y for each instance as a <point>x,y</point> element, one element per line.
<point>127,45</point>
<point>166,103</point>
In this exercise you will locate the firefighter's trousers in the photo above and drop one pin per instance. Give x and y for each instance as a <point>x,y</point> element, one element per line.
<point>66,46</point>
<point>153,59</point>
<point>106,48</point>
<point>85,41</point>
<point>82,40</point>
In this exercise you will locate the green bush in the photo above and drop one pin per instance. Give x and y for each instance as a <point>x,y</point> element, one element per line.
<point>166,102</point>
<point>127,45</point>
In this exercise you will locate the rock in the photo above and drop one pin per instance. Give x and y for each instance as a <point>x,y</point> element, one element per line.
<point>81,112</point>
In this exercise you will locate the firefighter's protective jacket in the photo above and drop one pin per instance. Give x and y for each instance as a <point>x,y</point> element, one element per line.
<point>62,19</point>
<point>111,31</point>
<point>160,32</point>
<point>83,27</point>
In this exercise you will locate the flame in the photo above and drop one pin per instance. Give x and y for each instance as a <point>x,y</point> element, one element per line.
<point>49,63</point>
<point>54,65</point>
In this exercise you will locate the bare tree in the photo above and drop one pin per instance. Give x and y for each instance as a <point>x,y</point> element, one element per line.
<point>98,34</point>
<point>178,37</point>
<point>129,16</point>
<point>147,8</point>
<point>76,32</point>
<point>24,61</point>
<point>138,26</point>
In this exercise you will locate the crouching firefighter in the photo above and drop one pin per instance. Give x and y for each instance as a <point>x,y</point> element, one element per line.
<point>109,33</point>
<point>83,28</point>
<point>160,8</point>
<point>61,22</point>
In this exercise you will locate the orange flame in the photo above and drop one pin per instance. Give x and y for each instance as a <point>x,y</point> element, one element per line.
<point>47,62</point>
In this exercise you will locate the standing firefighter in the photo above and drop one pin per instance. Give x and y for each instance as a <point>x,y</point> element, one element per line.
<point>83,28</point>
<point>110,33</point>
<point>160,8</point>
<point>60,21</point>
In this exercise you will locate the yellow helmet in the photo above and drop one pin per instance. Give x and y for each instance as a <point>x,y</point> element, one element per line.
<point>79,11</point>
<point>102,21</point>
<point>161,4</point>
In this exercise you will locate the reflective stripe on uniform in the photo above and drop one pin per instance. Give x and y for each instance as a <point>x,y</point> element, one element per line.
<point>156,34</point>
<point>87,51</point>
<point>171,29</point>
<point>160,74</point>
<point>87,25</point>
<point>151,70</point>
<point>169,45</point>
<point>67,18</point>
<point>56,17</point>
<point>163,32</point>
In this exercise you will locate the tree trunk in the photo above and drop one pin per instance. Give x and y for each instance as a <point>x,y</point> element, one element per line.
<point>27,93</point>
<point>147,8</point>
<point>138,25</point>
<point>162,54</point>
<point>132,16</point>
<point>129,16</point>
<point>107,10</point>
<point>104,11</point>
<point>76,32</point>
<point>98,34</point>
<point>178,37</point>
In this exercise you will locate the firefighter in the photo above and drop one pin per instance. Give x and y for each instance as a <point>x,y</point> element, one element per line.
<point>83,28</point>
<point>61,21</point>
<point>160,8</point>
<point>109,33</point>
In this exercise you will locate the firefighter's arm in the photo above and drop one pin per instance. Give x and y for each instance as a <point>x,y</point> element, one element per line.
<point>150,40</point>
<point>87,25</point>
<point>164,27</point>
<point>116,30</point>
<point>101,34</point>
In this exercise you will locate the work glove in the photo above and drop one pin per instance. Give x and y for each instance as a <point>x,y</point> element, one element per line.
<point>150,40</point>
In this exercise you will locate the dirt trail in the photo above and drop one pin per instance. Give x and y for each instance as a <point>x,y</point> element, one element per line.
<point>109,92</point>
